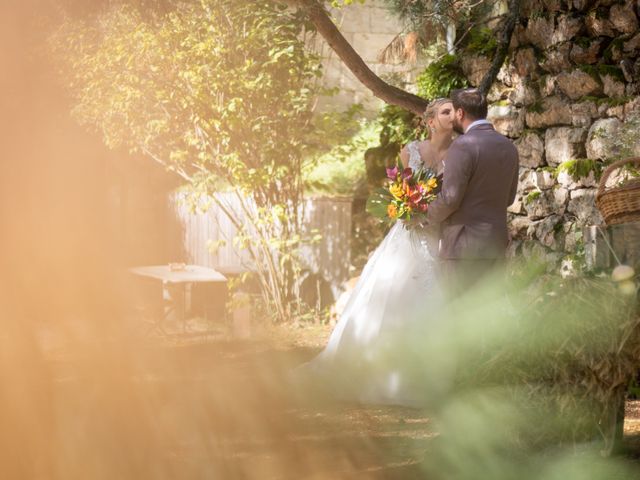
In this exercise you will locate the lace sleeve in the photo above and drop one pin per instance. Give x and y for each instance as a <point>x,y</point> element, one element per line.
<point>415,162</point>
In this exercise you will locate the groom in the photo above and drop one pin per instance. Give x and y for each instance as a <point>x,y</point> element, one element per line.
<point>479,183</point>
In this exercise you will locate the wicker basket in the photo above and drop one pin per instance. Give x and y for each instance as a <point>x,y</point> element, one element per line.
<point>619,204</point>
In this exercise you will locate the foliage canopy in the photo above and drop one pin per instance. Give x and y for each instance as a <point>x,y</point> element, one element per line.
<point>218,91</point>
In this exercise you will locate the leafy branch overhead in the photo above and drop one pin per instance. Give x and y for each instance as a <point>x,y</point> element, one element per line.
<point>224,104</point>
<point>318,15</point>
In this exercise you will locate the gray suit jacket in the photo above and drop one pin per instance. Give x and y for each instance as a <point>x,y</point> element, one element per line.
<point>480,181</point>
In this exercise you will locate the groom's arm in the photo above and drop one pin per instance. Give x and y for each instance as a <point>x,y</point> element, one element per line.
<point>457,171</point>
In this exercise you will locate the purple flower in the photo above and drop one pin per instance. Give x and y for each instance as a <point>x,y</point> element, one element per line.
<point>392,173</point>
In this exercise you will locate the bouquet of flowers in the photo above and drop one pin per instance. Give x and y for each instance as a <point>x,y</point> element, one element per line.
<point>406,195</point>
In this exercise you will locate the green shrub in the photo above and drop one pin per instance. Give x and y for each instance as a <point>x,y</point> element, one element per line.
<point>581,168</point>
<point>532,196</point>
<point>483,41</point>
<point>440,77</point>
<point>341,170</point>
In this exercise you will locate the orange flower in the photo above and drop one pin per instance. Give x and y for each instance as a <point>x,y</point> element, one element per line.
<point>407,189</point>
<point>392,210</point>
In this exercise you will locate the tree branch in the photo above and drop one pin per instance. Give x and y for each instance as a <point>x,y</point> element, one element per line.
<point>504,39</point>
<point>385,92</point>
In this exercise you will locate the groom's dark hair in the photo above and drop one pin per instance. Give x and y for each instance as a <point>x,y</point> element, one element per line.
<point>471,100</point>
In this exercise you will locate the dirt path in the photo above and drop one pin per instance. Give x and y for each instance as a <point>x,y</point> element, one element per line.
<point>220,408</point>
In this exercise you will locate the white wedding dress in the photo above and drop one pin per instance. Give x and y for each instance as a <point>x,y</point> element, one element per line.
<point>376,352</point>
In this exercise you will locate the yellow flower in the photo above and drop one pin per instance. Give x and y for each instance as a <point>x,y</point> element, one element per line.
<point>432,183</point>
<point>397,191</point>
<point>392,210</point>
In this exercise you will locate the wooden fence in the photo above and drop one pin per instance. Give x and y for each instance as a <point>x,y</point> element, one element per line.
<point>329,258</point>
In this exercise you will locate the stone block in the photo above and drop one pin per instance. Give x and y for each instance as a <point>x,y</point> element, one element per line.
<point>567,28</point>
<point>632,107</point>
<point>582,205</point>
<point>540,204</point>
<point>522,94</point>
<point>588,54</point>
<point>475,67</point>
<point>540,32</point>
<point>547,85</point>
<point>518,226</point>
<point>543,179</point>
<point>552,111</point>
<point>508,74</point>
<point>553,5</point>
<point>556,59</point>
<point>632,89</point>
<point>525,62</point>
<point>497,92</point>
<point>583,113</point>
<point>529,8</point>
<point>544,32</point>
<point>518,38</point>
<point>507,120</point>
<point>581,5</point>
<point>601,139</point>
<point>571,183</point>
<point>616,111</point>
<point>516,207</point>
<point>525,181</point>
<point>531,150</point>
<point>623,18</point>
<point>578,84</point>
<point>612,86</point>
<point>563,144</point>
<point>572,235</point>
<point>632,46</point>
<point>548,232</point>
<point>598,27</point>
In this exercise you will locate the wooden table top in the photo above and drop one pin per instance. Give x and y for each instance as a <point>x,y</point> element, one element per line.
<point>180,274</point>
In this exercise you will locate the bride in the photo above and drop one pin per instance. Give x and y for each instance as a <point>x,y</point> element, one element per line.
<point>369,354</point>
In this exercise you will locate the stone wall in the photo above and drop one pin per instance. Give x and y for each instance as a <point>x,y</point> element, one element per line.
<point>369,28</point>
<point>572,78</point>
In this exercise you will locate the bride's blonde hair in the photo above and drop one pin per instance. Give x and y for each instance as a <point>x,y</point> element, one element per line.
<point>431,111</point>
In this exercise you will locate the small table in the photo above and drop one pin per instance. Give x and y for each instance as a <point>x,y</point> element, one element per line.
<point>181,275</point>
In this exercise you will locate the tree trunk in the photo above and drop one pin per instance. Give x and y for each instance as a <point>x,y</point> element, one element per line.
<point>504,39</point>
<point>385,92</point>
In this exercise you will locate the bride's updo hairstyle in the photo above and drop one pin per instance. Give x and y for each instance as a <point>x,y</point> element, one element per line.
<point>431,111</point>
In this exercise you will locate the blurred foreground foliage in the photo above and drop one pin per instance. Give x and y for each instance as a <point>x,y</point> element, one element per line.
<point>557,353</point>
